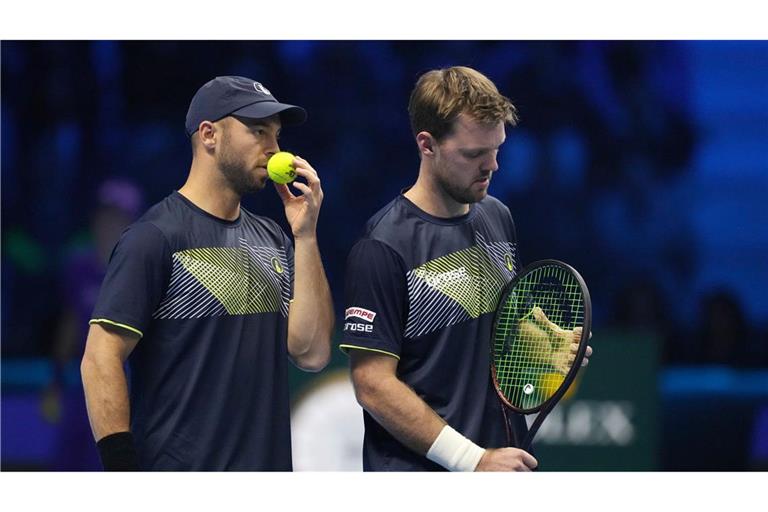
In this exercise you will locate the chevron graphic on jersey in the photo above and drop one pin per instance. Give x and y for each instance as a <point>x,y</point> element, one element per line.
<point>219,281</point>
<point>281,281</point>
<point>458,286</point>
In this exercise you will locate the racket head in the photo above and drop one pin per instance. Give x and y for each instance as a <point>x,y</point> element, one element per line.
<point>529,357</point>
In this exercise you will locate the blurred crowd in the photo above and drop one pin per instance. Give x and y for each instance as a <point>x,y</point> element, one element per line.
<point>605,128</point>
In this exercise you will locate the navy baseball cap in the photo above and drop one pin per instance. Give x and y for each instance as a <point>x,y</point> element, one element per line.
<point>236,95</point>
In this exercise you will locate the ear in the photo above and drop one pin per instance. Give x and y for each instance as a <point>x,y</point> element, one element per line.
<point>426,143</point>
<point>208,135</point>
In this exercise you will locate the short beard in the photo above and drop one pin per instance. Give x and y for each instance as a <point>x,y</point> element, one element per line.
<point>235,172</point>
<point>460,195</point>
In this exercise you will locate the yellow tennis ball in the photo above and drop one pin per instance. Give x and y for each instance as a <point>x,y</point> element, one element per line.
<point>280,168</point>
<point>550,382</point>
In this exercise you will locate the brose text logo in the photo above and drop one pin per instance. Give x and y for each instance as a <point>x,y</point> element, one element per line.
<point>349,326</point>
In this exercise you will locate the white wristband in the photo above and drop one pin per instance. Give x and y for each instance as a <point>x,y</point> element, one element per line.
<point>455,452</point>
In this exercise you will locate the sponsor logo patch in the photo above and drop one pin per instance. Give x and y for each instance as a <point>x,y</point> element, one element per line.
<point>364,314</point>
<point>349,326</point>
<point>444,279</point>
<point>509,262</point>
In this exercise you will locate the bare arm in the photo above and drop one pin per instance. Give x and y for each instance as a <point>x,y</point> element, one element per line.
<point>394,405</point>
<point>408,418</point>
<point>311,319</point>
<point>104,382</point>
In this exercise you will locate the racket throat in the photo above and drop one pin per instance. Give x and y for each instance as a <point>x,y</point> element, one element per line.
<point>534,428</point>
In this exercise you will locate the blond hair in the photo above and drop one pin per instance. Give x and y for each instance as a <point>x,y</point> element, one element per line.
<point>441,95</point>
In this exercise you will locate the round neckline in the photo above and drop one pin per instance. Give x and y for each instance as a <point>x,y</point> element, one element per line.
<point>443,221</point>
<point>196,209</point>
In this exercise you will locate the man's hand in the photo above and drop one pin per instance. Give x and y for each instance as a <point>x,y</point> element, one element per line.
<point>302,211</point>
<point>554,343</point>
<point>506,459</point>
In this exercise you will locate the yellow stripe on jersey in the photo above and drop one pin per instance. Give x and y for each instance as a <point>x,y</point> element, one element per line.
<point>344,348</point>
<point>110,322</point>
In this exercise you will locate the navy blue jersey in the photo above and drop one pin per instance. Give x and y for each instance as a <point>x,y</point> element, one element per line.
<point>209,388</point>
<point>424,290</point>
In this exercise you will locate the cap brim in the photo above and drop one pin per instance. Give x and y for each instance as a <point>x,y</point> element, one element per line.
<point>289,114</point>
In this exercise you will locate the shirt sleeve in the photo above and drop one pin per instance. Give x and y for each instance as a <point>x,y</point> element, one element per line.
<point>375,299</point>
<point>137,276</point>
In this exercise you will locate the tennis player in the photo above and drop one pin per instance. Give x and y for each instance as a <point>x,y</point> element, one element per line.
<point>209,300</point>
<point>421,288</point>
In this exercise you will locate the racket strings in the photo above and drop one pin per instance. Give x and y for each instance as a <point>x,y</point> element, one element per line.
<point>534,334</point>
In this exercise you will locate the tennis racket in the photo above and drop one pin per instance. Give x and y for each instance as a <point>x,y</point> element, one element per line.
<point>539,339</point>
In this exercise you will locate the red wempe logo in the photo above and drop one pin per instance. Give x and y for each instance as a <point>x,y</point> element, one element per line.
<point>364,314</point>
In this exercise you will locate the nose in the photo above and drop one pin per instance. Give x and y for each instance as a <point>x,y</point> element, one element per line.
<point>492,163</point>
<point>272,146</point>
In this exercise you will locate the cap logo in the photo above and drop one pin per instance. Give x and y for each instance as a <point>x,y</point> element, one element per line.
<point>260,88</point>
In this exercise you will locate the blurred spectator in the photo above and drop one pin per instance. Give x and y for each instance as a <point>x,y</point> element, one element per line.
<point>759,440</point>
<point>26,271</point>
<point>641,306</point>
<point>723,335</point>
<point>327,409</point>
<point>118,203</point>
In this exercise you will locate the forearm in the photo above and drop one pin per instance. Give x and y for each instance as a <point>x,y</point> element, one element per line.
<point>311,318</point>
<point>401,412</point>
<point>106,394</point>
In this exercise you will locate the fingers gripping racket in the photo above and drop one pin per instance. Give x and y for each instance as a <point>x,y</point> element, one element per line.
<point>539,338</point>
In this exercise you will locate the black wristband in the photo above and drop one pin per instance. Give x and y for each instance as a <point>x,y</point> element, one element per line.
<point>118,453</point>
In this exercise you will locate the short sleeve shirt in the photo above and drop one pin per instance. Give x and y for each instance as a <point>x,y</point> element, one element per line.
<point>210,300</point>
<point>424,289</point>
